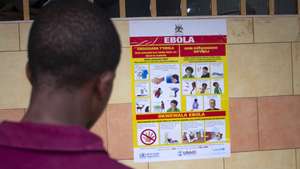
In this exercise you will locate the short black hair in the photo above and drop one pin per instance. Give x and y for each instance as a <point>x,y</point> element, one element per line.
<point>215,83</point>
<point>190,69</point>
<point>206,68</point>
<point>72,41</point>
<point>175,76</point>
<point>174,102</point>
<point>212,100</point>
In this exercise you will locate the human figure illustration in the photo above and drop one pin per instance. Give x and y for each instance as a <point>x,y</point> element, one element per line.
<point>203,88</point>
<point>147,109</point>
<point>162,106</point>
<point>212,105</point>
<point>195,105</point>
<point>173,106</point>
<point>217,89</point>
<point>158,92</point>
<point>174,78</point>
<point>194,87</point>
<point>205,73</point>
<point>175,90</point>
<point>188,72</point>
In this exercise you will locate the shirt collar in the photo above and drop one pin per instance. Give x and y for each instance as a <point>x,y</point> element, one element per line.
<point>48,137</point>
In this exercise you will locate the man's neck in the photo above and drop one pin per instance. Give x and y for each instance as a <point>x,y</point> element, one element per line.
<point>57,107</point>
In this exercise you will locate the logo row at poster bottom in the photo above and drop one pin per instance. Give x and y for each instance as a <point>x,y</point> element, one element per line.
<point>186,132</point>
<point>187,152</point>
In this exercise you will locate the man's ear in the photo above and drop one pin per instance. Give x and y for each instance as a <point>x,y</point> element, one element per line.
<point>104,85</point>
<point>28,73</point>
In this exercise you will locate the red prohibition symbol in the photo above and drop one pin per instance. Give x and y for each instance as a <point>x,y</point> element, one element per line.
<point>148,137</point>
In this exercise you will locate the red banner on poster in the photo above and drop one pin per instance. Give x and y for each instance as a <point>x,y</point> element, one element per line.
<point>202,50</point>
<point>179,115</point>
<point>153,40</point>
<point>155,51</point>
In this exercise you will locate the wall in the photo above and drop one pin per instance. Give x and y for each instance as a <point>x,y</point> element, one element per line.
<point>264,83</point>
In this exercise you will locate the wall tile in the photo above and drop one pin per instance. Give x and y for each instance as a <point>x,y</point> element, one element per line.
<point>276,29</point>
<point>123,30</point>
<point>277,159</point>
<point>100,128</point>
<point>190,164</point>
<point>11,114</point>
<point>254,69</point>
<point>279,122</point>
<point>119,125</point>
<point>122,85</point>
<point>14,86</point>
<point>243,121</point>
<point>298,158</point>
<point>296,68</point>
<point>9,37</point>
<point>240,30</point>
<point>132,164</point>
<point>24,33</point>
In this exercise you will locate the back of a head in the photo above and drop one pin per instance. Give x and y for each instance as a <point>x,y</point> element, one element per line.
<point>71,41</point>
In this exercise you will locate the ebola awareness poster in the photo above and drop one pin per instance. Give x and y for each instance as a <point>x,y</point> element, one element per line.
<point>179,89</point>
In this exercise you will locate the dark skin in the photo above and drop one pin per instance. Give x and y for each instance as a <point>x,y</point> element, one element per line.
<point>81,107</point>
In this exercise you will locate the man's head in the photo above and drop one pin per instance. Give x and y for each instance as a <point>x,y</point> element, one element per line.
<point>72,46</point>
<point>174,104</point>
<point>194,84</point>
<point>73,42</point>
<point>212,103</point>
<point>216,84</point>
<point>175,78</point>
<point>205,69</point>
<point>189,70</point>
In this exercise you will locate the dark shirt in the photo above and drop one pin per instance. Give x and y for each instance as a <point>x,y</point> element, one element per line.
<point>206,75</point>
<point>41,146</point>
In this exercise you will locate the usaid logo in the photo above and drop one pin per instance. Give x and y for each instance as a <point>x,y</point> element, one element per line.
<point>186,153</point>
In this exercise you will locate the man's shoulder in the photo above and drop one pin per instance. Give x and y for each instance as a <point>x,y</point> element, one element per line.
<point>78,149</point>
<point>12,157</point>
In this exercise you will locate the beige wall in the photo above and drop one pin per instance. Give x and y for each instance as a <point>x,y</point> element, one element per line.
<point>264,89</point>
